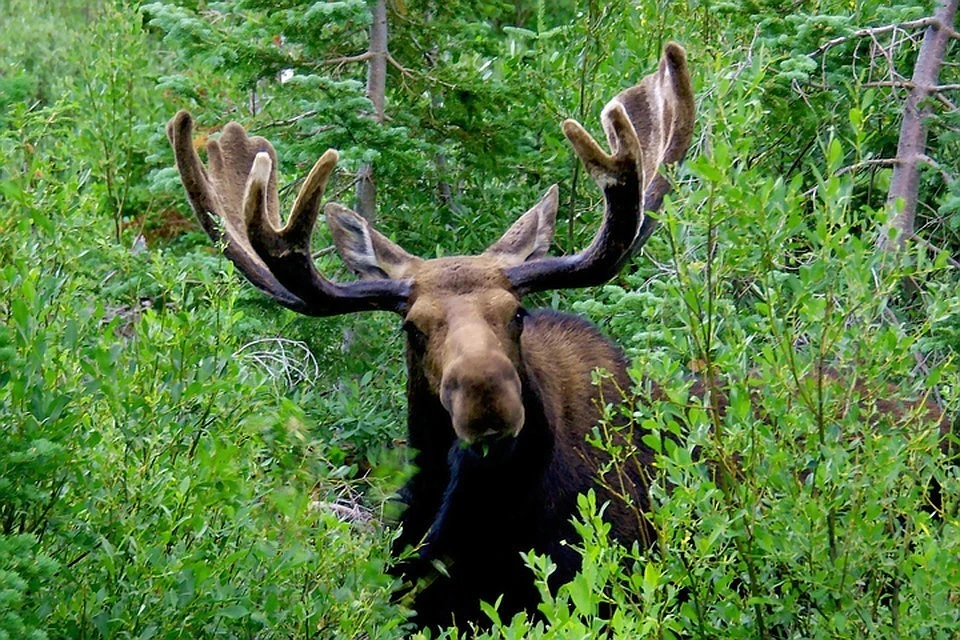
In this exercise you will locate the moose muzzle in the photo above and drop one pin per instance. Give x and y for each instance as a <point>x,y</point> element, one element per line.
<point>482,394</point>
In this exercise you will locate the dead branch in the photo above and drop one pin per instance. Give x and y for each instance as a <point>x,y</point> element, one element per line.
<point>288,121</point>
<point>936,91</point>
<point>342,60</point>
<point>876,162</point>
<point>927,160</point>
<point>907,84</point>
<point>323,252</point>
<point>872,32</point>
<point>892,162</point>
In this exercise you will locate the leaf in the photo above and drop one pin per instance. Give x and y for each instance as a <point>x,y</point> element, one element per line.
<point>233,612</point>
<point>834,155</point>
<point>521,32</point>
<point>706,169</point>
<point>856,118</point>
<point>581,593</point>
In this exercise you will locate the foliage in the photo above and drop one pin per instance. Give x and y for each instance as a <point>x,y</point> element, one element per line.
<point>23,571</point>
<point>168,468</point>
<point>124,111</point>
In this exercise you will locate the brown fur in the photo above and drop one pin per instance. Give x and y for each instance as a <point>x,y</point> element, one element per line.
<point>474,513</point>
<point>566,356</point>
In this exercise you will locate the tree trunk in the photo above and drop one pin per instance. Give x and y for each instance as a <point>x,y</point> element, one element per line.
<point>366,194</point>
<point>911,147</point>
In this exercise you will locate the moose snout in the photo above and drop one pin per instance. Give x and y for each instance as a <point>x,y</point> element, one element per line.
<point>483,398</point>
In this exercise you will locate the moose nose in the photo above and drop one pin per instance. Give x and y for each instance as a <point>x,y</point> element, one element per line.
<point>483,397</point>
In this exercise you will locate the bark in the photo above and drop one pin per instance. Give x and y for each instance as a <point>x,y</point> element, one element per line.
<point>911,147</point>
<point>448,205</point>
<point>366,203</point>
<point>377,64</point>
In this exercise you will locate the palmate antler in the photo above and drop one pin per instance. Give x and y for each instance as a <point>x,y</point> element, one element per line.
<point>647,126</point>
<point>237,203</point>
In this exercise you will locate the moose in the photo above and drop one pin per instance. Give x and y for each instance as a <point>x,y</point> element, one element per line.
<point>500,399</point>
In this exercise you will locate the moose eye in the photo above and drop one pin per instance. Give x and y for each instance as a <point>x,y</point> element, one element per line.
<point>519,317</point>
<point>414,334</point>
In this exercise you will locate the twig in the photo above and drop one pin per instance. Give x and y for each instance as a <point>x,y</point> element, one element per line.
<point>891,162</point>
<point>907,84</point>
<point>404,71</point>
<point>924,158</point>
<point>877,162</point>
<point>350,185</point>
<point>321,129</point>
<point>279,358</point>
<point>935,90</point>
<point>323,252</point>
<point>342,60</point>
<point>288,121</point>
<point>875,31</point>
<point>953,262</point>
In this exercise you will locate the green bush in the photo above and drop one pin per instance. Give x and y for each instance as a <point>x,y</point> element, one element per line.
<point>24,571</point>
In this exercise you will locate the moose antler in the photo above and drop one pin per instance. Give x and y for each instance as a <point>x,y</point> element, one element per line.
<point>237,204</point>
<point>647,126</point>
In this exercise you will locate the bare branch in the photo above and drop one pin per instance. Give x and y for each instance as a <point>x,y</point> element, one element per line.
<point>287,122</point>
<point>907,84</point>
<point>947,177</point>
<point>281,358</point>
<point>342,60</point>
<point>876,162</point>
<point>872,32</point>
<point>324,252</point>
<point>892,162</point>
<point>339,192</point>
<point>936,91</point>
<point>953,262</point>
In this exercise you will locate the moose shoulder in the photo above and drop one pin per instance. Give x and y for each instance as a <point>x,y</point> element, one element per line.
<point>499,399</point>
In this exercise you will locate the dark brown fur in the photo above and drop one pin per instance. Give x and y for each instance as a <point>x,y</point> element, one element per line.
<point>475,514</point>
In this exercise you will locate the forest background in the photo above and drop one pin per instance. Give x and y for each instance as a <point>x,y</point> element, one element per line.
<point>179,458</point>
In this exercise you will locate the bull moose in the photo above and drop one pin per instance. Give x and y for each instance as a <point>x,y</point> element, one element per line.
<point>500,399</point>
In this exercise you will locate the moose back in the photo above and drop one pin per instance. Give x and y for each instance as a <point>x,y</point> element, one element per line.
<point>499,399</point>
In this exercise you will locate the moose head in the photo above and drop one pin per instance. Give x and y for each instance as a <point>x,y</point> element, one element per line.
<point>481,369</point>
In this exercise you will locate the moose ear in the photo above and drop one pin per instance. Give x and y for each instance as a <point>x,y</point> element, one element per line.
<point>530,236</point>
<point>366,251</point>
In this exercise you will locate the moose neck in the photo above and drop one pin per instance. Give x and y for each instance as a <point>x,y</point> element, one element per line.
<point>477,488</point>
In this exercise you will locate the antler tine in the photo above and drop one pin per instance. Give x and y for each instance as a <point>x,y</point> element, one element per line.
<point>661,109</point>
<point>207,202</point>
<point>647,126</point>
<point>263,225</point>
<point>236,202</point>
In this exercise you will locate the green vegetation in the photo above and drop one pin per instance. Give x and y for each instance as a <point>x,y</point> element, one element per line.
<point>170,468</point>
